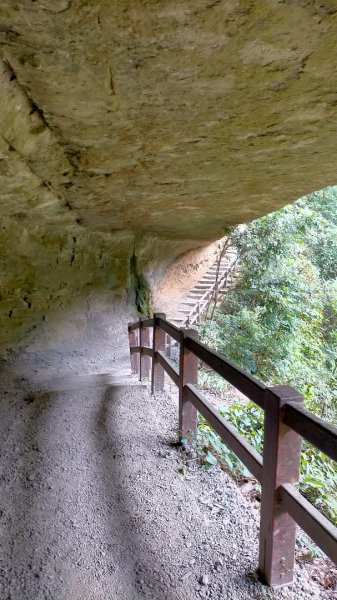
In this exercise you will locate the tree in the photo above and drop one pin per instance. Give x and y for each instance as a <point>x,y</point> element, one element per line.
<point>279,323</point>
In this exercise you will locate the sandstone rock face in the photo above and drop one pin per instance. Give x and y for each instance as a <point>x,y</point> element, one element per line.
<point>149,127</point>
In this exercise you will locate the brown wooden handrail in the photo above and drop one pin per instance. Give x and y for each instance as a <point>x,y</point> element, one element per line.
<point>245,451</point>
<point>312,428</point>
<point>242,381</point>
<point>169,328</point>
<point>286,422</point>
<point>317,526</point>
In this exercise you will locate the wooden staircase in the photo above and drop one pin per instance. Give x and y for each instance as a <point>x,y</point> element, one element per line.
<point>215,282</point>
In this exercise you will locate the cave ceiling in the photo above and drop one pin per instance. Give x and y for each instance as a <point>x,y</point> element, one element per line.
<point>169,117</point>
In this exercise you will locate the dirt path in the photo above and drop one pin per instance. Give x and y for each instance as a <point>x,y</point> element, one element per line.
<point>96,503</point>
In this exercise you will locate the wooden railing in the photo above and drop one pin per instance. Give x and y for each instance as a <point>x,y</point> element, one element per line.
<point>286,422</point>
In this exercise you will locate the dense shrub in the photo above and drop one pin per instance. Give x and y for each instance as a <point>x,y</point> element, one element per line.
<point>280,321</point>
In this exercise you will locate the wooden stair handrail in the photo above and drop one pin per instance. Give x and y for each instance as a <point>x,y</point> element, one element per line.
<point>200,305</point>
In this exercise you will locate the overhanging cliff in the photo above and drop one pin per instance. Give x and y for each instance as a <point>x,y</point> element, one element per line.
<point>149,127</point>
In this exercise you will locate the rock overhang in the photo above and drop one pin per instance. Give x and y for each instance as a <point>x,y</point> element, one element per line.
<point>123,122</point>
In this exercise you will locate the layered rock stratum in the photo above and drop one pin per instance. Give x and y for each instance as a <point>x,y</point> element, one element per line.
<point>143,129</point>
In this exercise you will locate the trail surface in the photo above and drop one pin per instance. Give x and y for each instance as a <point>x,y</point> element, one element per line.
<point>97,503</point>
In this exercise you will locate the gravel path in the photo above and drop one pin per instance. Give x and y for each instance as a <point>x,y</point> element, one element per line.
<point>97,503</point>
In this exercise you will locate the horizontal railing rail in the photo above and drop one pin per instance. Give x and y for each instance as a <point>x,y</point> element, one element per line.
<point>286,422</point>
<point>170,329</point>
<point>168,366</point>
<point>245,451</point>
<point>317,526</point>
<point>147,322</point>
<point>314,430</point>
<point>245,383</point>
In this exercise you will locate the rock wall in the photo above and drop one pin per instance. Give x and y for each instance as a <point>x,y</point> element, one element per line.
<point>50,259</point>
<point>147,128</point>
<point>54,276</point>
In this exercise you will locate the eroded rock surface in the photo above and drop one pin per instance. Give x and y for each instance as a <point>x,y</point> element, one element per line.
<point>153,125</point>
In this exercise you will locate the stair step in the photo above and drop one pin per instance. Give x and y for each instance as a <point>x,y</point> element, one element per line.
<point>214,273</point>
<point>195,296</point>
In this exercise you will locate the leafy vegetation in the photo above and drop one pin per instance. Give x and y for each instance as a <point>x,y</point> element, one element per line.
<point>318,473</point>
<point>280,324</point>
<point>143,297</point>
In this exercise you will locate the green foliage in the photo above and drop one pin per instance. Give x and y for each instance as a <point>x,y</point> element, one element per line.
<point>280,324</point>
<point>318,481</point>
<point>321,231</point>
<point>248,420</point>
<point>143,298</point>
<point>210,380</point>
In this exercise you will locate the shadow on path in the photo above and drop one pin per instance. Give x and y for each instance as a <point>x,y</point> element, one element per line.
<point>121,480</point>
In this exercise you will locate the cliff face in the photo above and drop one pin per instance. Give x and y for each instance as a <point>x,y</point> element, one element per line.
<point>143,129</point>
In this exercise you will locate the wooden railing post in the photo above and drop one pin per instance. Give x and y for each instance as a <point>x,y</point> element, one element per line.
<point>140,339</point>
<point>188,373</point>
<point>281,464</point>
<point>157,380</point>
<point>134,358</point>
<point>146,360</point>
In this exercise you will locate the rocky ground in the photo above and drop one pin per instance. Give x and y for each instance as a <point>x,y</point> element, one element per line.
<point>98,502</point>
